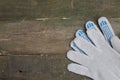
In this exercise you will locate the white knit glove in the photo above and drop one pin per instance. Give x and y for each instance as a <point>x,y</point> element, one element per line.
<point>98,60</point>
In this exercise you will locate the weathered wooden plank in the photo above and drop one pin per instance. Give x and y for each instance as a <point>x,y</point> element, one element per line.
<point>35,37</point>
<point>30,45</point>
<point>4,69</point>
<point>31,9</point>
<point>36,67</point>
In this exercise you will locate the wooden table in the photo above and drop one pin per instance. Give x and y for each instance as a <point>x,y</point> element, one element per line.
<point>35,35</point>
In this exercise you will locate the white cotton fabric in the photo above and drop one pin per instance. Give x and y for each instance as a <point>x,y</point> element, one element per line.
<point>115,41</point>
<point>101,61</point>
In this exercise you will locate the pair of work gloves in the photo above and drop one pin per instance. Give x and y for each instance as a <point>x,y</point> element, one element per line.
<point>96,54</point>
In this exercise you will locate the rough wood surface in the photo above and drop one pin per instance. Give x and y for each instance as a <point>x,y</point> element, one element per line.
<point>37,67</point>
<point>30,50</point>
<point>34,9</point>
<point>36,37</point>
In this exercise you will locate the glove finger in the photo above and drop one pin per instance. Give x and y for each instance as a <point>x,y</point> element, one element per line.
<point>78,58</point>
<point>81,33</point>
<point>79,69</point>
<point>97,38</point>
<point>106,28</point>
<point>115,41</point>
<point>76,48</point>
<point>91,25</point>
<point>85,46</point>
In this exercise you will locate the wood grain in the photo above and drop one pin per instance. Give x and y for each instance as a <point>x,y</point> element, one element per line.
<point>36,37</point>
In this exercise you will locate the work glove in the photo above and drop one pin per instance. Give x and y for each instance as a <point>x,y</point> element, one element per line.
<point>94,54</point>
